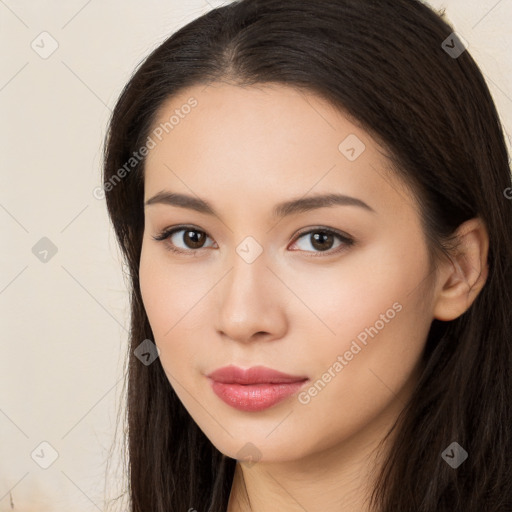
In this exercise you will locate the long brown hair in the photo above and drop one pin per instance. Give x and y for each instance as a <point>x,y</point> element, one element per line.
<point>398,69</point>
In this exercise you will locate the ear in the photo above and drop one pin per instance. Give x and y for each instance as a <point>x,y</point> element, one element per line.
<point>462,278</point>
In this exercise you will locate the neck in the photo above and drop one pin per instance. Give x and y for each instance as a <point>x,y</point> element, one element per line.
<point>338,479</point>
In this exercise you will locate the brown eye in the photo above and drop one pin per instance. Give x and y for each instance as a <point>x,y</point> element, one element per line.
<point>193,239</point>
<point>323,240</point>
<point>188,241</point>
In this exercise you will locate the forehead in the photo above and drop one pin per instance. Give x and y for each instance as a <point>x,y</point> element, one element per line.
<point>262,141</point>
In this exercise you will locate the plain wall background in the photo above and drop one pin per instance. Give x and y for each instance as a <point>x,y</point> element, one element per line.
<point>65,321</point>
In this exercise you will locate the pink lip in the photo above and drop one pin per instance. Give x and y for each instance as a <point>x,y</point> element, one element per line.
<point>254,389</point>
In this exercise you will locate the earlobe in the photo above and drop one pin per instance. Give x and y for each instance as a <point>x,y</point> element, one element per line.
<point>463,277</point>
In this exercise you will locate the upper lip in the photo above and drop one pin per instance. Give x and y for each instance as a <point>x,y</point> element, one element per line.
<point>255,375</point>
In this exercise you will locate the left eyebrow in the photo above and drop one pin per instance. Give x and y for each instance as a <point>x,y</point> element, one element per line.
<point>306,204</point>
<point>284,209</point>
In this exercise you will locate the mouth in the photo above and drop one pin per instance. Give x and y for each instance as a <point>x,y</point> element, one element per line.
<point>254,389</point>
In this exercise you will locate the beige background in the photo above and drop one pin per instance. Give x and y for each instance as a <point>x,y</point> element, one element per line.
<point>64,321</point>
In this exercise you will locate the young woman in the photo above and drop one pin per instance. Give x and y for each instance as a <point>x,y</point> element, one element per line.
<point>313,200</point>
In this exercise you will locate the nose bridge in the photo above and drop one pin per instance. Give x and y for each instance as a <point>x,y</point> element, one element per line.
<point>248,303</point>
<point>248,272</point>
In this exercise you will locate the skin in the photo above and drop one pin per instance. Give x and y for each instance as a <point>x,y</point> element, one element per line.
<point>244,150</point>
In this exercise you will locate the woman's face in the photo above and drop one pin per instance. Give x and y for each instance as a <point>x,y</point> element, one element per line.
<point>334,293</point>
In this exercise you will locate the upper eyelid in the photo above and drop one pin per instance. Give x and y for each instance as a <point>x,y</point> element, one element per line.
<point>306,231</point>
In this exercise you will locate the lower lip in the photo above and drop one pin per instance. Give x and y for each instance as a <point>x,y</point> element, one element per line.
<point>254,397</point>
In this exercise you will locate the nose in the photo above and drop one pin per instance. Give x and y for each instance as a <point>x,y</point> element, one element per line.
<point>251,303</point>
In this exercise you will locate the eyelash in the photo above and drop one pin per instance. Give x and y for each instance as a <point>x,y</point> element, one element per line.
<point>167,233</point>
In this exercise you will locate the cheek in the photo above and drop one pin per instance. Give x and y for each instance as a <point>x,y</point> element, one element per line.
<point>352,294</point>
<point>373,311</point>
<point>366,372</point>
<point>168,293</point>
<point>379,312</point>
<point>172,299</point>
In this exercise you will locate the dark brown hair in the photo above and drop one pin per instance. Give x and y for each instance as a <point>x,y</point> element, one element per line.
<point>383,62</point>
